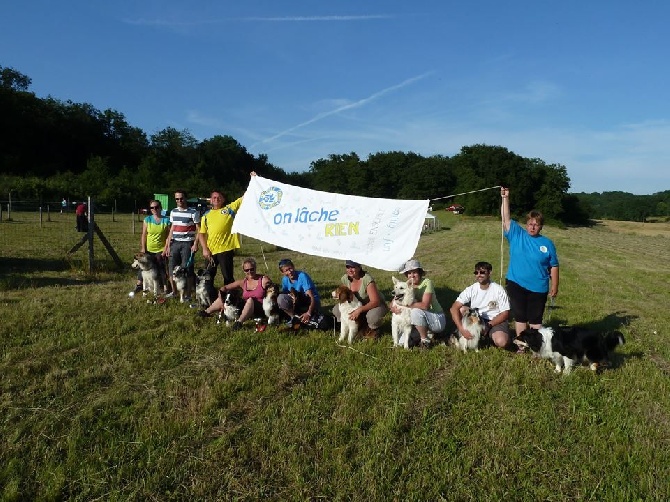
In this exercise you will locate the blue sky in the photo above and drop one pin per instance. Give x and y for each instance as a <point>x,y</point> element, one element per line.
<point>578,83</point>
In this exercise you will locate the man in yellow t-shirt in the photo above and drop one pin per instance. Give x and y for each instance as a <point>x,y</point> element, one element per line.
<point>216,238</point>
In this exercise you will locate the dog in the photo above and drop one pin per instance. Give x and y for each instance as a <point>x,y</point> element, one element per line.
<point>270,307</point>
<point>568,347</point>
<point>179,276</point>
<point>348,303</point>
<point>401,324</point>
<point>148,267</point>
<point>231,310</point>
<point>205,292</point>
<point>475,325</point>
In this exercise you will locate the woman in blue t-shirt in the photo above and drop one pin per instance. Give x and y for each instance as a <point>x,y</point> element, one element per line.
<point>532,274</point>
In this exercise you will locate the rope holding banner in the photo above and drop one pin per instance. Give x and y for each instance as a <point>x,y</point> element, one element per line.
<point>466,193</point>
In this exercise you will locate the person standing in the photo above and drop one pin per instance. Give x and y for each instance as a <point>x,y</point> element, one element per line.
<point>532,274</point>
<point>491,300</point>
<point>154,238</point>
<point>182,241</point>
<point>216,239</point>
<point>63,206</point>
<point>364,287</point>
<point>81,213</point>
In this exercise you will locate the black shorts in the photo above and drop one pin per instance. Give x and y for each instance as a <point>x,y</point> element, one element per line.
<point>525,306</point>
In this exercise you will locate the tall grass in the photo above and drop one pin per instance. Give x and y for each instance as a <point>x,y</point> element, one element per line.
<point>107,398</point>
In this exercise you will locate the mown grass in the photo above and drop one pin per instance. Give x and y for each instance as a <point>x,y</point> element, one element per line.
<point>107,398</point>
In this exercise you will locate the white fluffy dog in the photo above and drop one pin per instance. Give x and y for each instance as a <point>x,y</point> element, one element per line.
<point>148,267</point>
<point>474,324</point>
<point>401,324</point>
<point>348,303</point>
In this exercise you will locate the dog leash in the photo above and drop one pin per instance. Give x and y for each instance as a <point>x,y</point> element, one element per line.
<point>189,262</point>
<point>550,308</point>
<point>350,347</point>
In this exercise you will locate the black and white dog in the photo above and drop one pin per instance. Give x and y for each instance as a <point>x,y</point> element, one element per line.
<point>567,347</point>
<point>231,310</point>
<point>205,291</point>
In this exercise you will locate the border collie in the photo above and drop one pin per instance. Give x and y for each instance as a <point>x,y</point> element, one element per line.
<point>205,292</point>
<point>230,311</point>
<point>567,347</point>
<point>179,276</point>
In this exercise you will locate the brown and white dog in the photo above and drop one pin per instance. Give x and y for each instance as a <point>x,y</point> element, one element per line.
<point>270,307</point>
<point>348,303</point>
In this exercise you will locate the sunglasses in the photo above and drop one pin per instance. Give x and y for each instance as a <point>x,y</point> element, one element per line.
<point>249,269</point>
<point>481,272</point>
<point>154,207</point>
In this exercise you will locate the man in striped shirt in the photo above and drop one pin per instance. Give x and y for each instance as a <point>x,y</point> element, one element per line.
<point>182,241</point>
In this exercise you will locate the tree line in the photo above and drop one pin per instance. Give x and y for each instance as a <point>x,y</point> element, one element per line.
<point>51,149</point>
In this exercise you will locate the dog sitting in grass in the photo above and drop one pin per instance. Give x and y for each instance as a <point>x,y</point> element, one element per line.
<point>473,323</point>
<point>401,324</point>
<point>179,276</point>
<point>150,272</point>
<point>348,303</point>
<point>270,307</point>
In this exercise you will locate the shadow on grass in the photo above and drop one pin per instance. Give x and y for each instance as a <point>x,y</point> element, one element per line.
<point>15,273</point>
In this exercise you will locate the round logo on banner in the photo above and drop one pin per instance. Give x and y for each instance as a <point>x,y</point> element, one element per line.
<point>270,198</point>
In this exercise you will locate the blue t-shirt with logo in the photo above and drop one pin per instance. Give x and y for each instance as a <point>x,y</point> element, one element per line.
<point>531,259</point>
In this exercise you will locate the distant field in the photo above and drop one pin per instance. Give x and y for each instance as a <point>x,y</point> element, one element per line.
<point>107,398</point>
<point>633,227</point>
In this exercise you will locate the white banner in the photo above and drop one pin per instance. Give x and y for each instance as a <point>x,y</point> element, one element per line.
<point>380,233</point>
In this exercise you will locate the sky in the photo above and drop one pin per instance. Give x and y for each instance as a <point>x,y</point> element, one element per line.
<point>583,84</point>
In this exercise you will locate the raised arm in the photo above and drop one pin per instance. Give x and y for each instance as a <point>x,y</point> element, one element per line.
<point>504,208</point>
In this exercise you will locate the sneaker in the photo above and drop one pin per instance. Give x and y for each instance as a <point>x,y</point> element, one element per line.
<point>236,325</point>
<point>204,313</point>
<point>425,343</point>
<point>138,288</point>
<point>169,295</point>
<point>187,299</point>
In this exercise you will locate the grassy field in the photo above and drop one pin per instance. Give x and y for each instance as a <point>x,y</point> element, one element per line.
<point>107,398</point>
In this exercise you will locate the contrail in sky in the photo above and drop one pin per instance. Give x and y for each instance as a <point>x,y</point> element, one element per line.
<point>350,106</point>
<point>318,18</point>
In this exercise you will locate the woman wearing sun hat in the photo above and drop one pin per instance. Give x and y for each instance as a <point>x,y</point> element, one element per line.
<point>365,289</point>
<point>427,313</point>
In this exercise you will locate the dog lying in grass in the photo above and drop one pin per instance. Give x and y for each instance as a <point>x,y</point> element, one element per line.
<point>569,347</point>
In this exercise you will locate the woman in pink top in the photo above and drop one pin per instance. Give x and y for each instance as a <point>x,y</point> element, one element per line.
<point>253,288</point>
